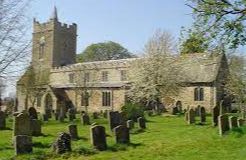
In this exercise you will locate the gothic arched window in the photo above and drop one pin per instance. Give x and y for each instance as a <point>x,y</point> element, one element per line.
<point>198,94</point>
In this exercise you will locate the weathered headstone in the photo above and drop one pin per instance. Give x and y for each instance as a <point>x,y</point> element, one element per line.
<point>95,115</point>
<point>191,116</point>
<point>202,114</point>
<point>45,118</point>
<point>223,123</point>
<point>22,144</point>
<point>240,122</point>
<point>232,122</point>
<point>141,123</point>
<point>98,137</point>
<point>62,144</point>
<point>35,125</point>
<point>73,131</point>
<point>22,125</point>
<point>85,119</point>
<point>32,113</point>
<point>71,114</point>
<point>197,110</point>
<point>215,115</point>
<point>2,120</point>
<point>174,110</point>
<point>130,124</point>
<point>114,119</point>
<point>122,134</point>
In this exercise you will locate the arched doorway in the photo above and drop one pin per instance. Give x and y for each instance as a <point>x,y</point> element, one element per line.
<point>48,105</point>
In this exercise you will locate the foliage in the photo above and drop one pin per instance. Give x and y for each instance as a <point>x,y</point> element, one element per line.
<point>194,42</point>
<point>221,20</point>
<point>104,51</point>
<point>133,111</point>
<point>157,74</point>
<point>236,84</point>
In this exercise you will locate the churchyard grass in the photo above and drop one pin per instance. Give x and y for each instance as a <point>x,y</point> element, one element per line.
<point>168,138</point>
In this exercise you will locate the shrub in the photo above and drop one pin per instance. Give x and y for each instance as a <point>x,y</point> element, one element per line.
<point>133,111</point>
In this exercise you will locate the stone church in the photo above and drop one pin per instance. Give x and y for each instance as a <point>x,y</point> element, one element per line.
<point>102,85</point>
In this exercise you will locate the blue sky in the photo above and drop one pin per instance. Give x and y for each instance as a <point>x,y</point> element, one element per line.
<point>128,22</point>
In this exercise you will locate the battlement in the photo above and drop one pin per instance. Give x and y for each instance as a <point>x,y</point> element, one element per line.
<point>52,24</point>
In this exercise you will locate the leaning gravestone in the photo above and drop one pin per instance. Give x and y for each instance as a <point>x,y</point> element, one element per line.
<point>191,116</point>
<point>22,144</point>
<point>223,123</point>
<point>122,134</point>
<point>62,144</point>
<point>240,122</point>
<point>232,122</point>
<point>85,119</point>
<point>98,137</point>
<point>202,114</point>
<point>22,125</point>
<point>130,124</point>
<point>114,119</point>
<point>35,125</point>
<point>2,120</point>
<point>73,131</point>
<point>215,115</point>
<point>141,123</point>
<point>32,113</point>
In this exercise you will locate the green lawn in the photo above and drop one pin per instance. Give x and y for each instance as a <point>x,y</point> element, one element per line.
<point>168,138</point>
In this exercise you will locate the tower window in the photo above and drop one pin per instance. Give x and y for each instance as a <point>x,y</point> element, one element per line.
<point>123,75</point>
<point>41,47</point>
<point>71,78</point>
<point>198,94</point>
<point>105,76</point>
<point>106,99</point>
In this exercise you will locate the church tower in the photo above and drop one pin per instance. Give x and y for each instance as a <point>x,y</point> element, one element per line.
<point>54,44</point>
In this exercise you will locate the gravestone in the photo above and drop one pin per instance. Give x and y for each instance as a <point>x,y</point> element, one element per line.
<point>73,131</point>
<point>95,115</point>
<point>130,124</point>
<point>85,119</point>
<point>186,116</point>
<point>71,114</point>
<point>141,123</point>
<point>174,110</point>
<point>32,113</point>
<point>45,118</point>
<point>22,125</point>
<point>191,116</point>
<point>22,144</point>
<point>197,110</point>
<point>215,115</point>
<point>98,137</point>
<point>35,125</point>
<point>202,114</point>
<point>232,122</point>
<point>122,134</point>
<point>62,144</point>
<point>223,123</point>
<point>2,120</point>
<point>114,119</point>
<point>240,122</point>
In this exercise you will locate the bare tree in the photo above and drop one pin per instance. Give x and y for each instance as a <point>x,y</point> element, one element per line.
<point>14,42</point>
<point>157,74</point>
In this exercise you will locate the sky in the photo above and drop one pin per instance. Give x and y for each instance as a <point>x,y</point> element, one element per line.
<point>128,22</point>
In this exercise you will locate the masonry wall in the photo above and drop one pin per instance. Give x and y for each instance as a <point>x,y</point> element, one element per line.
<point>186,96</point>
